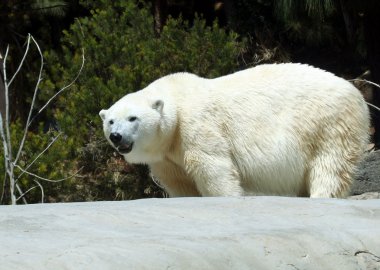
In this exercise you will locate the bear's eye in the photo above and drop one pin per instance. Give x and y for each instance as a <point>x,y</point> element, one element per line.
<point>132,118</point>
<point>111,122</point>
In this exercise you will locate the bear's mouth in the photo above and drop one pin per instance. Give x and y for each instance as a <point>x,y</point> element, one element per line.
<point>125,148</point>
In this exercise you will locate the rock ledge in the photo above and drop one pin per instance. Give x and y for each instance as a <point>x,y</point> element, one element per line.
<point>193,233</point>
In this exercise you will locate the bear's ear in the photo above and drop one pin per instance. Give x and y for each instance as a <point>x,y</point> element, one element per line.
<point>158,105</point>
<point>102,114</point>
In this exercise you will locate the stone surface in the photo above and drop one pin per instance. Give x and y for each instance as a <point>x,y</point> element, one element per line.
<point>368,176</point>
<point>366,196</point>
<point>193,233</point>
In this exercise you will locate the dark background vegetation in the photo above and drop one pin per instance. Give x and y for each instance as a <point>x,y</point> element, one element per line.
<point>128,44</point>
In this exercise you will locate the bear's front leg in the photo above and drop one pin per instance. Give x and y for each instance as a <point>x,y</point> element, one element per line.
<point>213,175</point>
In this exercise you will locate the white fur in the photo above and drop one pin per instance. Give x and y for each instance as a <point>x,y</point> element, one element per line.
<point>281,129</point>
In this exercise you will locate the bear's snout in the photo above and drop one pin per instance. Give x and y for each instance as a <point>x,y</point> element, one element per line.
<point>124,146</point>
<point>115,137</point>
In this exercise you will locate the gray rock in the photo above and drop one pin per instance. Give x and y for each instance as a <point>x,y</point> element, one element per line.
<point>366,196</point>
<point>368,175</point>
<point>193,233</point>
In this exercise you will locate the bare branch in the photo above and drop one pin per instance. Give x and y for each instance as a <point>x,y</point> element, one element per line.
<point>7,137</point>
<point>5,152</point>
<point>6,124</point>
<point>373,106</point>
<point>26,192</point>
<point>28,121</point>
<point>38,156</point>
<point>372,83</point>
<point>3,188</point>
<point>81,30</point>
<point>366,81</point>
<point>21,196</point>
<point>3,138</point>
<point>156,181</point>
<point>63,88</point>
<point>46,179</point>
<point>20,191</point>
<point>42,190</point>
<point>22,61</point>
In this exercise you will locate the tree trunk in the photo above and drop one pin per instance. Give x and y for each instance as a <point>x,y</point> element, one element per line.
<point>160,12</point>
<point>349,22</point>
<point>2,88</point>
<point>230,11</point>
<point>372,36</point>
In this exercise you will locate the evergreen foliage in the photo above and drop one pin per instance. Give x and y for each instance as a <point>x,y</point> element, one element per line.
<point>123,54</point>
<point>307,21</point>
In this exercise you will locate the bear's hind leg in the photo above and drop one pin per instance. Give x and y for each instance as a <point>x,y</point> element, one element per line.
<point>330,176</point>
<point>213,175</point>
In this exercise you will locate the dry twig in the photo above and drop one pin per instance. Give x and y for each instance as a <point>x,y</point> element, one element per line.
<point>10,162</point>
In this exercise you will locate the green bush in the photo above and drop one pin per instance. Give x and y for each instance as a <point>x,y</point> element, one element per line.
<point>51,164</point>
<point>123,55</point>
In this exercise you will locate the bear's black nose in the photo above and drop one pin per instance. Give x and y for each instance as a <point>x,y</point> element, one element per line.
<point>115,137</point>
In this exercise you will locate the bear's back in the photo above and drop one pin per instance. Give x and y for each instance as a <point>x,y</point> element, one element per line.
<point>269,113</point>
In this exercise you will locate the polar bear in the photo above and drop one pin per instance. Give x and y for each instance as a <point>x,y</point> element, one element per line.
<point>275,129</point>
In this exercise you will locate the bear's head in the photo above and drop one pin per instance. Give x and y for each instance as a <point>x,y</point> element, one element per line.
<point>134,126</point>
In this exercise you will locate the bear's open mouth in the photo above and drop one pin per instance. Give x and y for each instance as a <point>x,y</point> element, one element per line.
<point>125,148</point>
